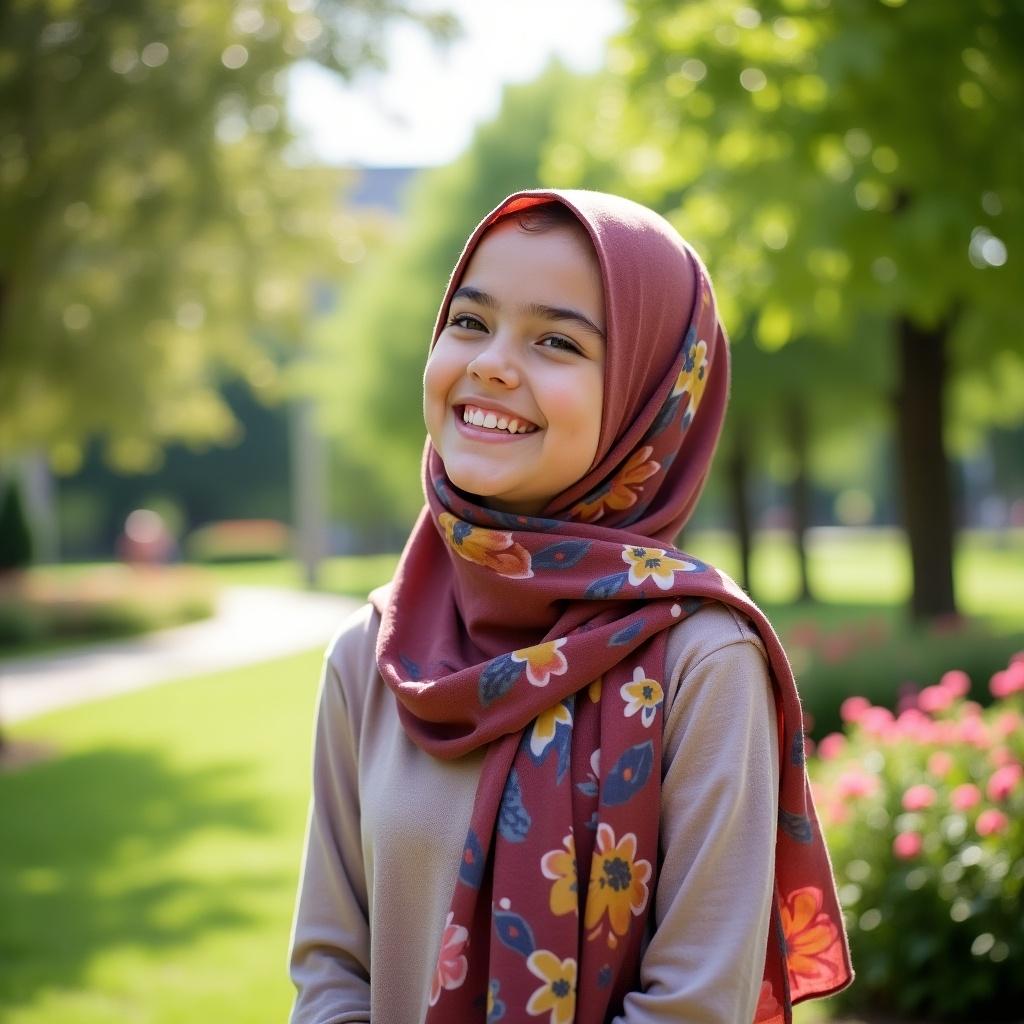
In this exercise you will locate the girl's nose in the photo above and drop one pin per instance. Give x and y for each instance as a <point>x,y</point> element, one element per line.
<point>495,364</point>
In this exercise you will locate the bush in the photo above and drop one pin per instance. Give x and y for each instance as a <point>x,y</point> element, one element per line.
<point>15,535</point>
<point>924,812</point>
<point>871,659</point>
<point>102,603</point>
<point>239,540</point>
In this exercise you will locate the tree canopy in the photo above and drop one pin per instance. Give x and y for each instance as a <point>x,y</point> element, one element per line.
<point>154,238</point>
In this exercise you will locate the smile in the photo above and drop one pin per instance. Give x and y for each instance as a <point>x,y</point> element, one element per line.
<point>499,422</point>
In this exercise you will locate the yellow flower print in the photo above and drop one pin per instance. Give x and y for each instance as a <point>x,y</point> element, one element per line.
<point>560,867</point>
<point>544,726</point>
<point>643,695</point>
<point>618,883</point>
<point>558,993</point>
<point>494,549</point>
<point>693,374</point>
<point>619,494</point>
<point>543,661</point>
<point>653,563</point>
<point>594,690</point>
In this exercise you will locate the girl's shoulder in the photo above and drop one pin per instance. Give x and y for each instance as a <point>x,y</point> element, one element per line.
<point>712,629</point>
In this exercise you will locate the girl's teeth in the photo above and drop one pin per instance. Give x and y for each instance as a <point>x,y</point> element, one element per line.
<point>490,420</point>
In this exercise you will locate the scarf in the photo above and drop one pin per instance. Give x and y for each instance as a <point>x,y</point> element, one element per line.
<point>542,638</point>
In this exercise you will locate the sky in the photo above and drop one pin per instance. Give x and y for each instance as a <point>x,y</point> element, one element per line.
<point>423,109</point>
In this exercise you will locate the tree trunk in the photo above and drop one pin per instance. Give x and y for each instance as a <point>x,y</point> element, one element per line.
<point>924,469</point>
<point>800,492</point>
<point>738,473</point>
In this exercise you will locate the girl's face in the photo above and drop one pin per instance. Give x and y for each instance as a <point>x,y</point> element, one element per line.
<point>513,389</point>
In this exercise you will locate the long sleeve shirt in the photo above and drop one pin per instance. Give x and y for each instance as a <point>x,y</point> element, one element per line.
<point>388,821</point>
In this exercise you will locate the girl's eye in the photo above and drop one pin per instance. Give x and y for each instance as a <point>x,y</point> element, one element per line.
<point>561,343</point>
<point>467,321</point>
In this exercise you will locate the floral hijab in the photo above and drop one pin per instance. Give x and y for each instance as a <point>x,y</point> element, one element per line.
<point>542,638</point>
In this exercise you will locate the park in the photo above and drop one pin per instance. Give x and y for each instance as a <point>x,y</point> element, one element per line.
<point>211,363</point>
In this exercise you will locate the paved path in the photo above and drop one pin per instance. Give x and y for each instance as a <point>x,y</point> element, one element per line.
<point>252,624</point>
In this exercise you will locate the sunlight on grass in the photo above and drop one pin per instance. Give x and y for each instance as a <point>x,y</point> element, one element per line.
<point>151,873</point>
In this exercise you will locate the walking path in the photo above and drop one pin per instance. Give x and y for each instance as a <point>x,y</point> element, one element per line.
<point>252,624</point>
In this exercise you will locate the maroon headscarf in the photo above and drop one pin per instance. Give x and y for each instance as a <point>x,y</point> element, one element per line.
<point>543,638</point>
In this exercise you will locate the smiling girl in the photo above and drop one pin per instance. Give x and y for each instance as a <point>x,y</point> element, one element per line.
<point>558,770</point>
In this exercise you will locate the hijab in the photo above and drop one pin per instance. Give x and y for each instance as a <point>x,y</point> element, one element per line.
<point>542,638</point>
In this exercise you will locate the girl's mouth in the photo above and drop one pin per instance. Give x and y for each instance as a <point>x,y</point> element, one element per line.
<point>478,421</point>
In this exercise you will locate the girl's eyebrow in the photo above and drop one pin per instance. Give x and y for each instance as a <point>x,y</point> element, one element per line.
<point>535,309</point>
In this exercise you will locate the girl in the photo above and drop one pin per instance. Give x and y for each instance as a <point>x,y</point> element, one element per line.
<point>559,764</point>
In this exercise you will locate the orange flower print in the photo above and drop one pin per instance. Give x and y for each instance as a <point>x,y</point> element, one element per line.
<point>812,938</point>
<point>558,993</point>
<point>494,549</point>
<point>619,494</point>
<point>655,564</point>
<point>618,883</point>
<point>768,1009</point>
<point>543,661</point>
<point>542,735</point>
<point>643,695</point>
<point>560,867</point>
<point>451,964</point>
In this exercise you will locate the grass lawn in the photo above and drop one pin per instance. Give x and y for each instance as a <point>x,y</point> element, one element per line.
<point>147,872</point>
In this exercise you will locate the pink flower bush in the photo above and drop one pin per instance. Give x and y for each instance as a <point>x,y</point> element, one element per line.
<point>1004,781</point>
<point>924,814</point>
<point>907,845</point>
<point>965,797</point>
<point>918,797</point>
<point>991,822</point>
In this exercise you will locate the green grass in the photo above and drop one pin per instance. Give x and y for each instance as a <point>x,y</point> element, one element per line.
<point>147,873</point>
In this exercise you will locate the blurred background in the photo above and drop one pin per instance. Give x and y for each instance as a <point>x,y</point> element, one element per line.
<point>224,232</point>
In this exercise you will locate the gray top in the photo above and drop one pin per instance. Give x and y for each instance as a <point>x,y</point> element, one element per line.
<point>387,823</point>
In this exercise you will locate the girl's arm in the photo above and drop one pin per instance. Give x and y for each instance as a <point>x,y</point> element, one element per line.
<point>719,813</point>
<point>330,947</point>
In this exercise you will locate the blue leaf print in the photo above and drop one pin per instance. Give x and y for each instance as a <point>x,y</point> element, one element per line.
<point>513,820</point>
<point>498,678</point>
<point>664,418</point>
<point>796,826</point>
<point>563,555</point>
<point>513,521</point>
<point>588,788</point>
<point>606,586</point>
<point>796,752</point>
<point>563,743</point>
<point>627,633</point>
<point>514,932</point>
<point>628,774</point>
<point>691,604</point>
<point>604,976</point>
<point>689,348</point>
<point>471,870</point>
<point>410,666</point>
<point>441,490</point>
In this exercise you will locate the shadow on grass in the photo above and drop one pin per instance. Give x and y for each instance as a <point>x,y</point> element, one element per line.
<point>75,837</point>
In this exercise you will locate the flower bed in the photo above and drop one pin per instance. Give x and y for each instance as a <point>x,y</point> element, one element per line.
<point>42,606</point>
<point>924,812</point>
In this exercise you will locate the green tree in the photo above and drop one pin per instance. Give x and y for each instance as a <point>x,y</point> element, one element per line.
<point>148,216</point>
<point>375,348</point>
<point>837,159</point>
<point>15,534</point>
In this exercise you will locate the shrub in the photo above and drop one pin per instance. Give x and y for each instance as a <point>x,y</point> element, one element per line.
<point>15,535</point>
<point>924,811</point>
<point>107,602</point>
<point>239,540</point>
<point>870,660</point>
